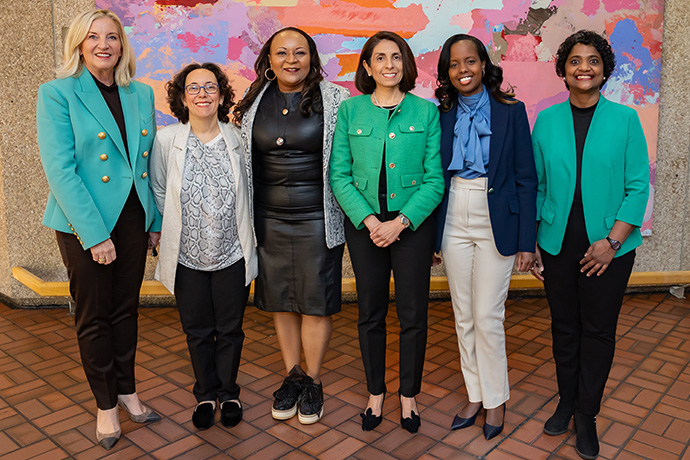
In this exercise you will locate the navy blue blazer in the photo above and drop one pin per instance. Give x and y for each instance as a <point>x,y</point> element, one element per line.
<point>512,179</point>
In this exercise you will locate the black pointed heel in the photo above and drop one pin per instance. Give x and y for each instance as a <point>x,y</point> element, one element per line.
<point>491,431</point>
<point>459,422</point>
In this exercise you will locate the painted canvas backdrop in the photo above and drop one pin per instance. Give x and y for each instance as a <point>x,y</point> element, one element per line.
<point>521,35</point>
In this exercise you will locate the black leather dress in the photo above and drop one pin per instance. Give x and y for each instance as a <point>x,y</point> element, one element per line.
<point>297,272</point>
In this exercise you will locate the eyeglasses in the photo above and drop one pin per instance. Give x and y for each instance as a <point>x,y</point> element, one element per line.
<point>194,89</point>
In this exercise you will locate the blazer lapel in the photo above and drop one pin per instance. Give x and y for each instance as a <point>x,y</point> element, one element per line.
<point>179,148</point>
<point>94,102</point>
<point>447,135</point>
<point>130,109</point>
<point>499,124</point>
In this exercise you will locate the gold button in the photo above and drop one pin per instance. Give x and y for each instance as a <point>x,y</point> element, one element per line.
<point>411,128</point>
<point>392,135</point>
<point>104,157</point>
<point>356,184</point>
<point>359,131</point>
<point>74,233</point>
<point>105,179</point>
<point>145,154</point>
<point>392,195</point>
<point>414,182</point>
<point>285,111</point>
<point>144,132</point>
<point>143,176</point>
<point>392,165</point>
<point>280,141</point>
<point>101,135</point>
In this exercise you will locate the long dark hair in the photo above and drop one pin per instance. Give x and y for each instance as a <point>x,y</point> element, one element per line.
<point>311,94</point>
<point>175,88</point>
<point>492,78</point>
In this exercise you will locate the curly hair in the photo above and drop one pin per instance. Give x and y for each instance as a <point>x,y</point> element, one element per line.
<point>590,38</point>
<point>366,83</point>
<point>176,91</point>
<point>447,94</point>
<point>311,93</point>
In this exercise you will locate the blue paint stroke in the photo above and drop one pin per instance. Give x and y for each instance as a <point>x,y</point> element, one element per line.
<point>626,38</point>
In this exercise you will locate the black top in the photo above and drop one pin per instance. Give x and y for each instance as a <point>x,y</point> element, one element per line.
<point>383,185</point>
<point>287,158</point>
<point>582,118</point>
<point>112,98</point>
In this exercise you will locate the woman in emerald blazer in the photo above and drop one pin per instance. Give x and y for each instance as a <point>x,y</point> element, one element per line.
<point>592,164</point>
<point>95,130</point>
<point>386,175</point>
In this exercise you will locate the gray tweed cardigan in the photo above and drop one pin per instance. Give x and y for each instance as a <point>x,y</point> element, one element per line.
<point>332,95</point>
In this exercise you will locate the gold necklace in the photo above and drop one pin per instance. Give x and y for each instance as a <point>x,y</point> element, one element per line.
<point>379,105</point>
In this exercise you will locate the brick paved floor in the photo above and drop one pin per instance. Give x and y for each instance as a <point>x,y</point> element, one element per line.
<point>47,411</point>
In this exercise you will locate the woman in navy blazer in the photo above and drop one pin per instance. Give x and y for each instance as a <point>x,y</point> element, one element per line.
<point>95,130</point>
<point>486,216</point>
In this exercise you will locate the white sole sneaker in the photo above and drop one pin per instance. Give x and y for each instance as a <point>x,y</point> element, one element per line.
<point>284,414</point>
<point>309,419</point>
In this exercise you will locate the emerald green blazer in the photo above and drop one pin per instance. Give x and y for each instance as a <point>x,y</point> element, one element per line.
<point>615,173</point>
<point>411,137</point>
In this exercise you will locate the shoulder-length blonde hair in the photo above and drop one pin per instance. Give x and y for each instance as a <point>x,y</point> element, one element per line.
<point>72,62</point>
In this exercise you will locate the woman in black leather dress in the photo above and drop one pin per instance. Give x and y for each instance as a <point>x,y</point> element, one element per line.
<point>288,118</point>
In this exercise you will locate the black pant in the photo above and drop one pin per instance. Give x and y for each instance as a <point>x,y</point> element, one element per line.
<point>211,306</point>
<point>106,298</point>
<point>584,315</point>
<point>410,260</point>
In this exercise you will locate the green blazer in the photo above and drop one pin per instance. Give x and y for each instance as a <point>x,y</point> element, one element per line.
<point>411,137</point>
<point>615,173</point>
<point>89,173</point>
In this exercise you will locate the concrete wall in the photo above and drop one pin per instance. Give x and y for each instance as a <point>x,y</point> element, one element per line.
<point>30,46</point>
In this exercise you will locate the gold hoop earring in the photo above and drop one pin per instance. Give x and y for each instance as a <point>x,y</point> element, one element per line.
<point>266,74</point>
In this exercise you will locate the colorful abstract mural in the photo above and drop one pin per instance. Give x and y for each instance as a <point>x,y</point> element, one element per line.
<point>521,35</point>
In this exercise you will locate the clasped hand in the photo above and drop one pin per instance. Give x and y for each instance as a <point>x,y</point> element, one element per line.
<point>383,234</point>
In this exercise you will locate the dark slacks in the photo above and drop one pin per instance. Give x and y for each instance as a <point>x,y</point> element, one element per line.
<point>410,260</point>
<point>211,306</point>
<point>106,298</point>
<point>584,315</point>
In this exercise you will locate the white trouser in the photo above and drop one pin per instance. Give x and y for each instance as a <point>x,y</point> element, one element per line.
<point>478,277</point>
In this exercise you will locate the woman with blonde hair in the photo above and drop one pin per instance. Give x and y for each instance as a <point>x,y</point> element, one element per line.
<point>95,130</point>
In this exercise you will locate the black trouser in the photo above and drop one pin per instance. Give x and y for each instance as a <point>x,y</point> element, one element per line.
<point>410,260</point>
<point>584,315</point>
<point>106,298</point>
<point>211,306</point>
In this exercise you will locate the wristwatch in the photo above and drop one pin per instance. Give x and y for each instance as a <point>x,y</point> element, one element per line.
<point>404,220</point>
<point>615,244</point>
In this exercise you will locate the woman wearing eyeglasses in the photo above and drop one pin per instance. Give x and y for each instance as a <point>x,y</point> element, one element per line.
<point>208,255</point>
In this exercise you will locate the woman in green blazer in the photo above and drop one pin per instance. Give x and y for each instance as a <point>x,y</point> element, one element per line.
<point>386,175</point>
<point>95,131</point>
<point>593,169</point>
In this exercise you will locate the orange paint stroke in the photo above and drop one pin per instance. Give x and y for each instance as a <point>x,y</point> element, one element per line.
<point>367,3</point>
<point>354,20</point>
<point>348,63</point>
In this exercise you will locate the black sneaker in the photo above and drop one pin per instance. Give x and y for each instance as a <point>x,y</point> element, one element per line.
<point>310,402</point>
<point>558,423</point>
<point>285,398</point>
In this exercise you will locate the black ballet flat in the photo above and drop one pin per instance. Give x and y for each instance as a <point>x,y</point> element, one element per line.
<point>459,422</point>
<point>411,423</point>
<point>491,431</point>
<point>371,421</point>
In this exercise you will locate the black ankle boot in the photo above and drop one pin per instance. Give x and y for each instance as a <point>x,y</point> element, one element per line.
<point>587,443</point>
<point>558,422</point>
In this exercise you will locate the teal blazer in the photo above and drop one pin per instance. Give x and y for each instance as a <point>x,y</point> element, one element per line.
<point>615,173</point>
<point>84,159</point>
<point>411,137</point>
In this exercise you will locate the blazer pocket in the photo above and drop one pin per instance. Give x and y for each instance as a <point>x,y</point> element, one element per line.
<point>360,182</point>
<point>360,131</point>
<point>547,214</point>
<point>513,204</point>
<point>410,180</point>
<point>610,220</point>
<point>410,128</point>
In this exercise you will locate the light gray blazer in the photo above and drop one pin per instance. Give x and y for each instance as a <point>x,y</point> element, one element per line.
<point>166,167</point>
<point>332,95</point>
